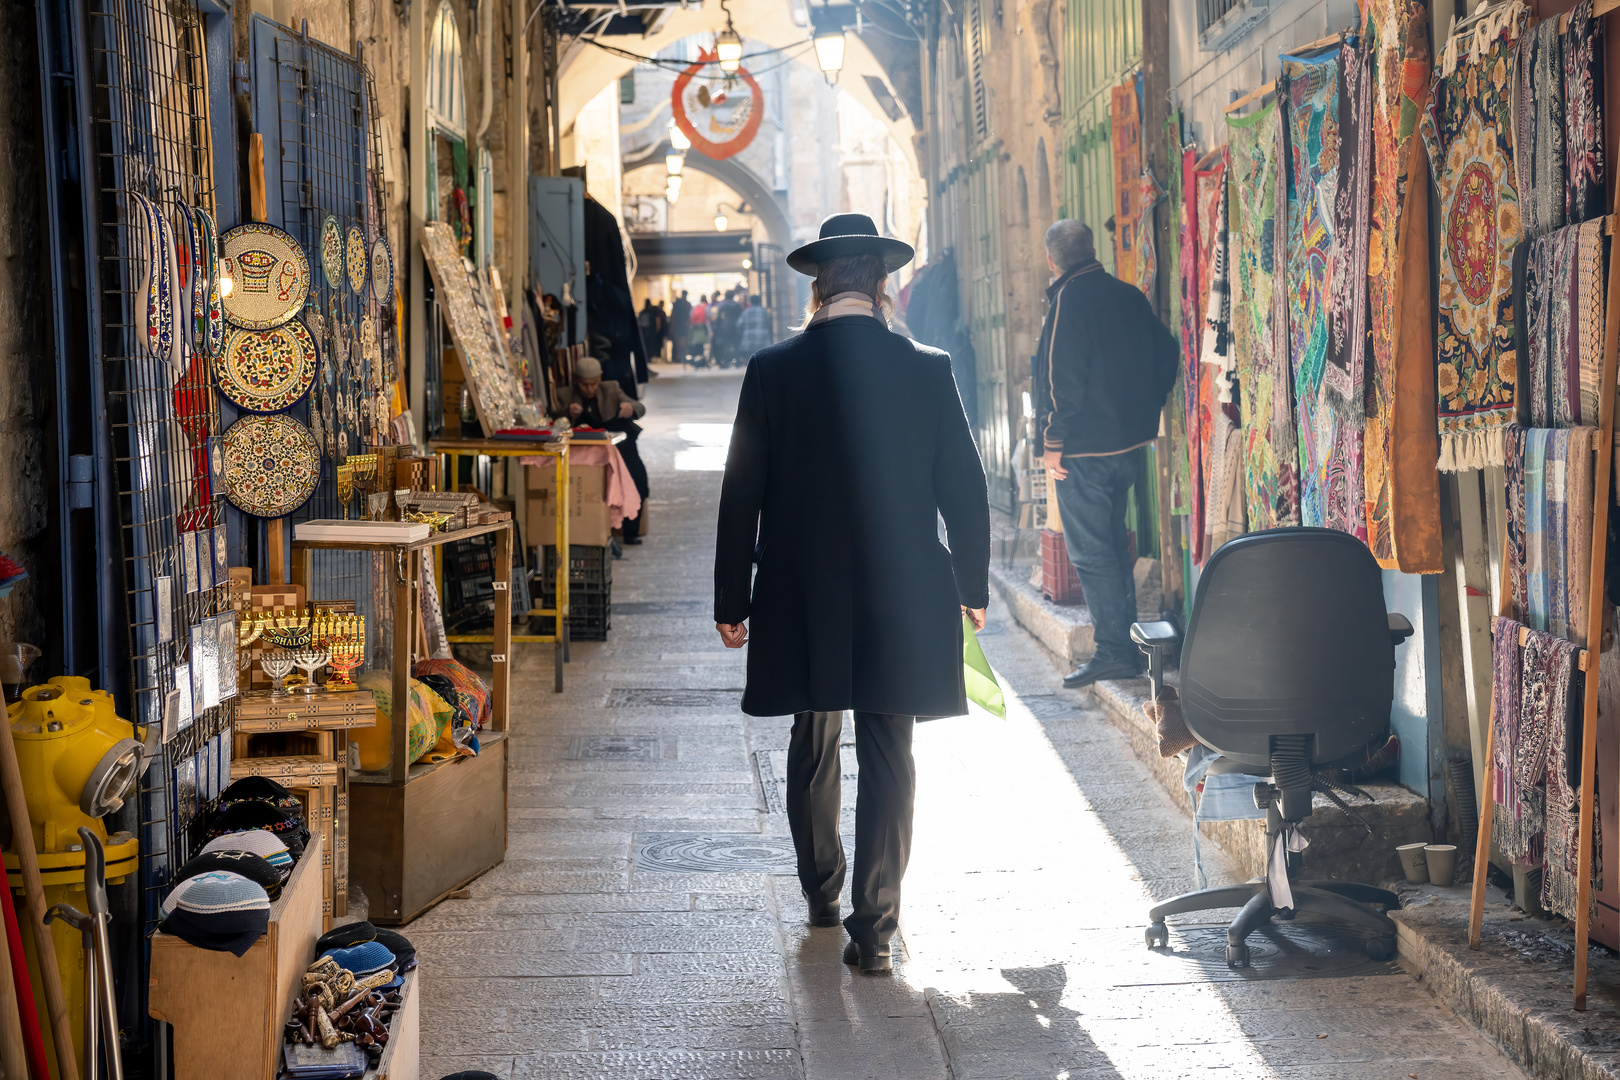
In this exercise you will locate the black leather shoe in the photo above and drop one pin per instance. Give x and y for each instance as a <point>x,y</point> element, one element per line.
<point>824,915</point>
<point>632,541</point>
<point>1095,670</point>
<point>870,960</point>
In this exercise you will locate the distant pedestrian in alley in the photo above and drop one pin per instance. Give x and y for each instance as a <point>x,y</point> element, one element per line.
<point>680,328</point>
<point>753,329</point>
<point>1103,369</point>
<point>699,329</point>
<point>835,494</point>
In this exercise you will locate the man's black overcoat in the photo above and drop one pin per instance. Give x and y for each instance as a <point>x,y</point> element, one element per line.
<point>849,441</point>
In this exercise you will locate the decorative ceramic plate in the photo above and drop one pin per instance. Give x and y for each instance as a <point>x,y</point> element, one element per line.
<point>270,276</point>
<point>268,370</point>
<point>214,332</point>
<point>382,272</point>
<point>271,465</point>
<point>357,259</point>
<point>332,251</point>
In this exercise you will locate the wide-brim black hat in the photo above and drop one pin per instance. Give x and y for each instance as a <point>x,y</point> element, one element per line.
<point>843,235</point>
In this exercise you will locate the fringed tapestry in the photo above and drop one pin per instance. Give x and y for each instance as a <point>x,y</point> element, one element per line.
<point>1538,137</point>
<point>1466,129</point>
<point>1330,482</point>
<point>1583,115</point>
<point>1270,485</point>
<point>1402,489</point>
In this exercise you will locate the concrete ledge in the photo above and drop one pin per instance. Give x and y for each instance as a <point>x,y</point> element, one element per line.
<point>1065,630</point>
<point>1518,989</point>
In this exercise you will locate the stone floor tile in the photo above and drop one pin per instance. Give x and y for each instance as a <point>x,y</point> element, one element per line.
<point>662,1065</point>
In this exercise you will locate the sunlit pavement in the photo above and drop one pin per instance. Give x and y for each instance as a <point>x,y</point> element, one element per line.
<point>1040,843</point>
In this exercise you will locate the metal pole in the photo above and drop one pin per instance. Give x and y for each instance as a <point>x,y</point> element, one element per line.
<point>416,47</point>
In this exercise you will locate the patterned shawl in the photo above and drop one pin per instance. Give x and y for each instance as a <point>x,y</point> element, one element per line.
<point>1402,491</point>
<point>1561,829</point>
<point>1550,508</point>
<point>1558,285</point>
<point>1539,130</point>
<point>1271,493</point>
<point>1344,377</point>
<point>1518,806</point>
<point>1583,114</point>
<point>1329,442</point>
<point>1466,131</point>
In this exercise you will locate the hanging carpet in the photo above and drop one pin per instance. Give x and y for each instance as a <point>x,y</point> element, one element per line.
<point>1270,484</point>
<point>1466,129</point>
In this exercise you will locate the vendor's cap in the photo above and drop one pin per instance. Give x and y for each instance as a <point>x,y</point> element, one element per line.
<point>844,235</point>
<point>588,367</point>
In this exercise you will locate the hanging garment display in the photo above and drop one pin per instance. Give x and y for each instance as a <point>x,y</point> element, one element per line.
<point>1466,130</point>
<point>1558,285</point>
<point>1538,135</point>
<point>271,465</point>
<point>270,276</point>
<point>267,371</point>
<point>1402,490</point>
<point>1330,480</point>
<point>1191,338</point>
<point>356,259</point>
<point>1583,115</point>
<point>1550,505</point>
<point>1271,492</point>
<point>1125,130</point>
<point>332,252</point>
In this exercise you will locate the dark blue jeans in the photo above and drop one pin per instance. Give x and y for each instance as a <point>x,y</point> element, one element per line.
<point>1091,502</point>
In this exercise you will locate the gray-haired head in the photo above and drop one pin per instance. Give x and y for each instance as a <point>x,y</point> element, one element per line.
<point>1069,243</point>
<point>588,367</point>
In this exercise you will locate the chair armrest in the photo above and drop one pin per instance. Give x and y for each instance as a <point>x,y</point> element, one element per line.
<point>1400,628</point>
<point>1156,637</point>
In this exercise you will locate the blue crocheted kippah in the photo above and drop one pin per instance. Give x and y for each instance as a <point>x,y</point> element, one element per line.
<point>217,910</point>
<point>362,959</point>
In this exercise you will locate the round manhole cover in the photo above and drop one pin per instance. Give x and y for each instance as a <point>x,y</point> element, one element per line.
<point>715,853</point>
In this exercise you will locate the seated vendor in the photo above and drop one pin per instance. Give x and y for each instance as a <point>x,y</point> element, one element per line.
<point>590,402</point>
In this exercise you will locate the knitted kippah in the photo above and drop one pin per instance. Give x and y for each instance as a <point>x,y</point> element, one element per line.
<point>251,866</point>
<point>217,910</point>
<point>363,959</point>
<point>343,937</point>
<point>397,944</point>
<point>262,789</point>
<point>261,842</point>
<point>258,814</point>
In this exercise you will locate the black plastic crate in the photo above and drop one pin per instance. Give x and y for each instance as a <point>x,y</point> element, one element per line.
<point>591,567</point>
<point>590,614</point>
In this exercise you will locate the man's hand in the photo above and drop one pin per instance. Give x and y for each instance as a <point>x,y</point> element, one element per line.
<point>976,614</point>
<point>626,410</point>
<point>1052,461</point>
<point>575,409</point>
<point>734,635</point>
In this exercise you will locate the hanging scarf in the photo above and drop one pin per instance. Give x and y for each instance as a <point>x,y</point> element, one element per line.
<point>1259,331</point>
<point>1148,194</point>
<point>1517,809</point>
<point>1558,285</point>
<point>1538,135</point>
<point>1550,506</point>
<point>1344,377</point>
<point>1191,383</point>
<point>1583,114</point>
<point>1466,132</point>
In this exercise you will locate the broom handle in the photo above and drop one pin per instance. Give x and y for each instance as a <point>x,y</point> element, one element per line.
<point>22,837</point>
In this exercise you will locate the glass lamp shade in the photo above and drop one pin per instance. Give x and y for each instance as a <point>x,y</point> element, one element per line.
<point>720,223</point>
<point>673,163</point>
<point>728,47</point>
<point>830,51</point>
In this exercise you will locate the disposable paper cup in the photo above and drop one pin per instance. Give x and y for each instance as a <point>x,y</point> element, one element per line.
<point>1442,859</point>
<point>1413,862</point>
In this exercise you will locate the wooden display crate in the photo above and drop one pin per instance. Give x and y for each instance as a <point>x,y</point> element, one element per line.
<point>228,1011</point>
<point>260,712</point>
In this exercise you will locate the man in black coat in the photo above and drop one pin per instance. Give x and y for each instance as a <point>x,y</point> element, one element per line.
<point>1103,369</point>
<point>836,495</point>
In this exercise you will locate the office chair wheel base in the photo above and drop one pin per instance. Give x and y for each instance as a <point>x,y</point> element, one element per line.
<point>1158,936</point>
<point>1380,948</point>
<point>1237,955</point>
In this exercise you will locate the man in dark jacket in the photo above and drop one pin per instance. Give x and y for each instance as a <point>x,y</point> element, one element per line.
<point>836,495</point>
<point>680,327</point>
<point>1103,369</point>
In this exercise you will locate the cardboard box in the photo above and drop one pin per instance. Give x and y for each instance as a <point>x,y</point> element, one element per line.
<point>587,500</point>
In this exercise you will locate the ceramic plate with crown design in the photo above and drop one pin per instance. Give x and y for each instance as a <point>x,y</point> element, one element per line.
<point>268,370</point>
<point>271,465</point>
<point>269,274</point>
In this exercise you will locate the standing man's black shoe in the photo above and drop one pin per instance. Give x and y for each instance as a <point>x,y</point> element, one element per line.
<point>872,960</point>
<point>824,914</point>
<point>1095,670</point>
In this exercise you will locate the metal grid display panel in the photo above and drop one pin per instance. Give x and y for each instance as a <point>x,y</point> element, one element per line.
<point>152,138</point>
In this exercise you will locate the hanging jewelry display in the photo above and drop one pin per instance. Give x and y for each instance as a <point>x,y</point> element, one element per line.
<point>319,418</point>
<point>382,273</point>
<point>270,275</point>
<point>332,251</point>
<point>375,399</point>
<point>268,370</point>
<point>271,465</point>
<point>357,260</point>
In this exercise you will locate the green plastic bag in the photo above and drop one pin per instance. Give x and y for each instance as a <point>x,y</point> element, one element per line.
<point>982,688</point>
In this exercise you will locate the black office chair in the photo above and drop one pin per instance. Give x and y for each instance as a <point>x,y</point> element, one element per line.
<point>1287,669</point>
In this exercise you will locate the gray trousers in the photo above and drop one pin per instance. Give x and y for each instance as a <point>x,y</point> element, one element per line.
<point>883,809</point>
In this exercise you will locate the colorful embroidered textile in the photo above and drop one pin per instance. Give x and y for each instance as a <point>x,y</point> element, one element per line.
<point>1344,377</point>
<point>1191,369</point>
<point>1224,519</point>
<point>1514,441</point>
<point>1466,130</point>
<point>1402,490</point>
<point>1125,120</point>
<point>1148,194</point>
<point>1215,352</point>
<point>1539,130</point>
<point>1558,284</point>
<point>1514,752</point>
<point>1550,508</point>
<point>1330,481</point>
<point>1271,493</point>
<point>1583,115</point>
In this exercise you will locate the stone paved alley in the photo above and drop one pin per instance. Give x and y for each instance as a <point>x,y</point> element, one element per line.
<point>646,924</point>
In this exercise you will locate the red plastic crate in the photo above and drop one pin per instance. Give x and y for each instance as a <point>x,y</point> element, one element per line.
<point>1059,583</point>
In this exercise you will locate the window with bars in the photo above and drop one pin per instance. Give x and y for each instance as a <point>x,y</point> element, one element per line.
<point>978,47</point>
<point>1223,22</point>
